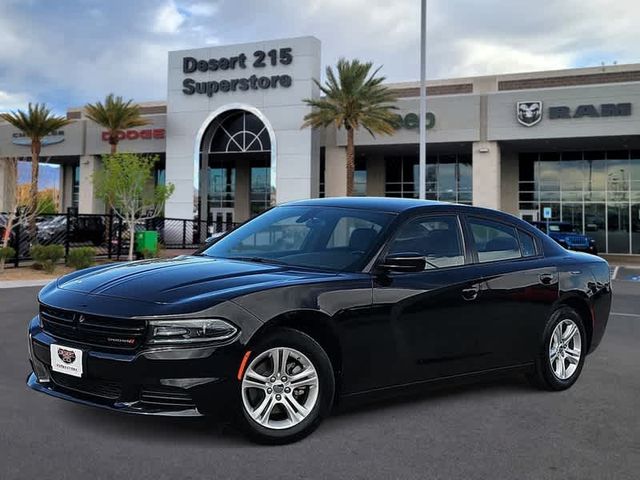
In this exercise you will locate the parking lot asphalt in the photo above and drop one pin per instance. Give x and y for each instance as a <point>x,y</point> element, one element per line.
<point>499,429</point>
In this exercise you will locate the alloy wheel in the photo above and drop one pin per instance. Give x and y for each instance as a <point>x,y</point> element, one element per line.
<point>280,388</point>
<point>565,349</point>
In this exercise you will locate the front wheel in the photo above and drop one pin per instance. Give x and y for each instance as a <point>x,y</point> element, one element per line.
<point>562,353</point>
<point>287,387</point>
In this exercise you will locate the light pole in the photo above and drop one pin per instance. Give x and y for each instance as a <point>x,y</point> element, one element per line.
<point>422,175</point>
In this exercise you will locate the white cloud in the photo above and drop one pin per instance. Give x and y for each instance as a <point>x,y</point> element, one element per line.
<point>168,19</point>
<point>202,9</point>
<point>484,58</point>
<point>68,55</point>
<point>13,101</point>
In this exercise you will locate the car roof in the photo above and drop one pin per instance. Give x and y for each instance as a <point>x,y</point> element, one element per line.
<point>385,204</point>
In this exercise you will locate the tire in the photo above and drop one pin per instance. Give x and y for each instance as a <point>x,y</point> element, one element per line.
<point>562,372</point>
<point>291,407</point>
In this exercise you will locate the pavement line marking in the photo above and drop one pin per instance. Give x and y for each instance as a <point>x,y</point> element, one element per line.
<point>615,272</point>
<point>625,314</point>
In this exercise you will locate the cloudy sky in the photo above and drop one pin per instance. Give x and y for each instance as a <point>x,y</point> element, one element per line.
<point>69,52</point>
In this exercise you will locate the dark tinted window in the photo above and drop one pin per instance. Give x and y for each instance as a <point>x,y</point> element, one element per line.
<point>527,244</point>
<point>494,241</point>
<point>309,236</point>
<point>437,238</point>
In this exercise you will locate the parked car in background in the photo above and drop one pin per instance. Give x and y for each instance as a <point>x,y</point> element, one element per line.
<point>82,229</point>
<point>568,236</point>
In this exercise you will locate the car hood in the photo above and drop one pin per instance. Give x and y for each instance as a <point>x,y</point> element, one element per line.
<point>185,279</point>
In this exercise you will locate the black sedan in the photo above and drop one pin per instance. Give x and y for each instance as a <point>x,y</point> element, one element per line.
<point>318,302</point>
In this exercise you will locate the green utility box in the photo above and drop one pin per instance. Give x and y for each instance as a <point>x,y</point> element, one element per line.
<point>147,241</point>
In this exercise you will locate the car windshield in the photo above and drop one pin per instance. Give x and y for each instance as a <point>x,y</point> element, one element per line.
<point>306,236</point>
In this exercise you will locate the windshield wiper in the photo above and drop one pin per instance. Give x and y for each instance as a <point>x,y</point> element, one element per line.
<point>260,260</point>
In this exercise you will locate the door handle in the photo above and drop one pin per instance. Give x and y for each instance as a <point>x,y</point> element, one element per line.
<point>547,278</point>
<point>470,293</point>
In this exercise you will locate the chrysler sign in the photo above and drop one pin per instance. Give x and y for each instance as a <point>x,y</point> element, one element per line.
<point>257,61</point>
<point>19,138</point>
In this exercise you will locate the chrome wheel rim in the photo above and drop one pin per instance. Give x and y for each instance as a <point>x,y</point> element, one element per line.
<point>280,388</point>
<point>565,349</point>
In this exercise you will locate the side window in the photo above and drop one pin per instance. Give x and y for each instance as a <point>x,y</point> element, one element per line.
<point>354,233</point>
<point>494,241</point>
<point>527,244</point>
<point>437,238</point>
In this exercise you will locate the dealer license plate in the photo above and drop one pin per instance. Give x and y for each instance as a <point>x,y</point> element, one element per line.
<point>66,360</point>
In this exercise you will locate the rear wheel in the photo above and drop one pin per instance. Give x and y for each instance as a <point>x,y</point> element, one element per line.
<point>562,353</point>
<point>287,387</point>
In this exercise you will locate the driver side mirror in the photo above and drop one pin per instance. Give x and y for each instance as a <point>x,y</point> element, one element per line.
<point>407,262</point>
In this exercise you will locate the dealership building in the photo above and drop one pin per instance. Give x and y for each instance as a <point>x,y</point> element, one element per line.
<point>229,138</point>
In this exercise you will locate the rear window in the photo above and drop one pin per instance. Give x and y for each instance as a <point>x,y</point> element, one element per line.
<point>527,244</point>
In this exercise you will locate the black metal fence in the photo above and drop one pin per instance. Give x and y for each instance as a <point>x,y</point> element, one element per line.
<point>107,234</point>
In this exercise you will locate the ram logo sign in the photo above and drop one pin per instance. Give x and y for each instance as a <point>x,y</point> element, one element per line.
<point>529,113</point>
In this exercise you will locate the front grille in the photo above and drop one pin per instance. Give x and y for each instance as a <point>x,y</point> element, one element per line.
<point>94,387</point>
<point>116,333</point>
<point>161,396</point>
<point>578,242</point>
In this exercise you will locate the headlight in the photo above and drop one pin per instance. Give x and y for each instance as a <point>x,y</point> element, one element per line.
<point>163,332</point>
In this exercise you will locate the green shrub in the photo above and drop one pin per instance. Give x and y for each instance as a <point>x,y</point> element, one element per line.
<point>7,252</point>
<point>46,256</point>
<point>146,253</point>
<point>81,257</point>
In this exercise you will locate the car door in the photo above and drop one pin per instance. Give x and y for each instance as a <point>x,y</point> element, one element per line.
<point>430,314</point>
<point>518,288</point>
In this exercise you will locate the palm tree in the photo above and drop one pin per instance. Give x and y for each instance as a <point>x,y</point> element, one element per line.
<point>36,123</point>
<point>356,98</point>
<point>115,115</point>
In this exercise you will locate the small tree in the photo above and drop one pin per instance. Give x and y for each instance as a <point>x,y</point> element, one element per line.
<point>115,115</point>
<point>125,183</point>
<point>354,98</point>
<point>18,204</point>
<point>36,123</point>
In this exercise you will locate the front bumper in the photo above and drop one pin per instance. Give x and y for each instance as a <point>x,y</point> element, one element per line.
<point>169,381</point>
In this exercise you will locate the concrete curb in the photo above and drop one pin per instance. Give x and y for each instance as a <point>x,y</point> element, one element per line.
<point>23,283</point>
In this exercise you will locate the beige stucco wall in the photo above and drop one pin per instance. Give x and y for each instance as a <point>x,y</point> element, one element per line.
<point>88,203</point>
<point>509,178</point>
<point>486,174</point>
<point>335,166</point>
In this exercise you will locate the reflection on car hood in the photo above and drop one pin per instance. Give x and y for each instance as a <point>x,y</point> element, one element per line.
<point>182,279</point>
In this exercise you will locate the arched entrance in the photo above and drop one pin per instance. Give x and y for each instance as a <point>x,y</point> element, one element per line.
<point>236,167</point>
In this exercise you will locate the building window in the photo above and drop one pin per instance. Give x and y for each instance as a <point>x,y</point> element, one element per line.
<point>222,186</point>
<point>75,190</point>
<point>598,192</point>
<point>239,150</point>
<point>321,189</point>
<point>260,189</point>
<point>448,177</point>
<point>360,177</point>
